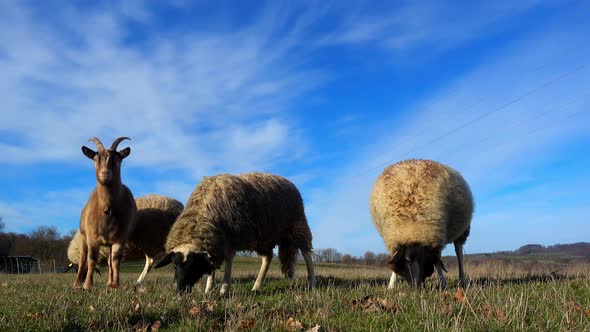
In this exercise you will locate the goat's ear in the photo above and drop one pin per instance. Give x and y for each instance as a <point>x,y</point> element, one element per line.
<point>165,260</point>
<point>88,152</point>
<point>125,152</point>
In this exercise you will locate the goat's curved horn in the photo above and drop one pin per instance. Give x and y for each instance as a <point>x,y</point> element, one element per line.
<point>117,141</point>
<point>97,142</point>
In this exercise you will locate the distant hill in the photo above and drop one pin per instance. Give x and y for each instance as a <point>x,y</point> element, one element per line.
<point>535,252</point>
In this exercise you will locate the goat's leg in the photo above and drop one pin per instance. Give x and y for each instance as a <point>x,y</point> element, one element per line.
<point>309,264</point>
<point>227,273</point>
<point>110,267</point>
<point>441,275</point>
<point>116,255</point>
<point>81,273</point>
<point>149,262</point>
<point>266,259</point>
<point>93,249</point>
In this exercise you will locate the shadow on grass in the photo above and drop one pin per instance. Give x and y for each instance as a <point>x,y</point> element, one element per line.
<point>534,278</point>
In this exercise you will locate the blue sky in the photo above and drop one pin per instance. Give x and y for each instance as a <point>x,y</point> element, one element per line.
<point>324,93</point>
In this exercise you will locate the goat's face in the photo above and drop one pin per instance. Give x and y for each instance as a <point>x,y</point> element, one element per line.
<point>189,267</point>
<point>415,263</point>
<point>107,162</point>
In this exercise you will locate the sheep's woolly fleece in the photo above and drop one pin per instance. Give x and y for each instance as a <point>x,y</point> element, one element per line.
<point>420,202</point>
<point>154,219</point>
<point>252,211</point>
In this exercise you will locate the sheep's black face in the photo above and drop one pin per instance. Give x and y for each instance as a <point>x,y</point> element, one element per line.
<point>415,263</point>
<point>188,268</point>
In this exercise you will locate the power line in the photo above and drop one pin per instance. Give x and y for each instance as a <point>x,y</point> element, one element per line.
<point>480,117</point>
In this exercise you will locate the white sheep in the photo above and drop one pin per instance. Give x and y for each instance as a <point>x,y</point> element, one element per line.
<point>418,206</point>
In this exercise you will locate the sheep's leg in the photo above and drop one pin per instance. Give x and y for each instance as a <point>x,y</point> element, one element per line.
<point>81,273</point>
<point>392,281</point>
<point>227,273</point>
<point>459,253</point>
<point>266,259</point>
<point>116,255</point>
<point>92,249</point>
<point>309,264</point>
<point>441,275</point>
<point>149,262</point>
<point>210,282</point>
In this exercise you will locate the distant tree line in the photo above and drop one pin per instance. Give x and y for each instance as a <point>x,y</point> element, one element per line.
<point>331,255</point>
<point>44,242</point>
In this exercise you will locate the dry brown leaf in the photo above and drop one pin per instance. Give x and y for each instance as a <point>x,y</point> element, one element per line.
<point>76,302</point>
<point>367,304</point>
<point>196,310</point>
<point>214,326</point>
<point>387,306</point>
<point>316,328</point>
<point>91,308</point>
<point>142,325</point>
<point>202,308</point>
<point>587,312</point>
<point>486,309</point>
<point>489,311</point>
<point>247,324</point>
<point>446,294</point>
<point>34,315</point>
<point>137,308</point>
<point>156,326</point>
<point>293,324</point>
<point>460,296</point>
<point>574,306</point>
<point>446,309</point>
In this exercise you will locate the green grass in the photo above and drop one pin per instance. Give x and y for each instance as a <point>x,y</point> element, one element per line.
<point>47,303</point>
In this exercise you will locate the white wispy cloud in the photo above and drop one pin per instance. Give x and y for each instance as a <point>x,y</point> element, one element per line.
<point>187,102</point>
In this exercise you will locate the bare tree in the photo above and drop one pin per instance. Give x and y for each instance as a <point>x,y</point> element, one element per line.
<point>369,258</point>
<point>2,225</point>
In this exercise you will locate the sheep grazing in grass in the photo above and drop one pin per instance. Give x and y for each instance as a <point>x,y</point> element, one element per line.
<point>155,216</point>
<point>109,215</point>
<point>418,206</point>
<point>227,213</point>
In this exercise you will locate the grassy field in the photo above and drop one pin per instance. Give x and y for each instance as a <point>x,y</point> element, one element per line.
<point>345,299</point>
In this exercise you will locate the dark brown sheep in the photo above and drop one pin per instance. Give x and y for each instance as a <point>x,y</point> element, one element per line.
<point>109,215</point>
<point>227,213</point>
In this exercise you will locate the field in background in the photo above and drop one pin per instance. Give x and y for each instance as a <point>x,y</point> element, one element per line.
<point>502,296</point>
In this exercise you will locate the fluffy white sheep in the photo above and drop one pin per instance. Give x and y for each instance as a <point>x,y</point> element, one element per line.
<point>418,206</point>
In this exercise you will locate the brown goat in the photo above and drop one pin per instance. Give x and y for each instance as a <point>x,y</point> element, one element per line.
<point>109,215</point>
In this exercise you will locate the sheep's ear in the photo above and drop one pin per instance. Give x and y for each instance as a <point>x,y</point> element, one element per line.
<point>125,152</point>
<point>88,152</point>
<point>442,265</point>
<point>397,255</point>
<point>165,260</point>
